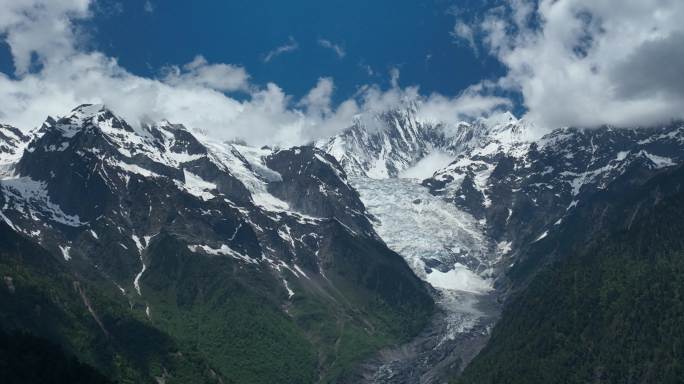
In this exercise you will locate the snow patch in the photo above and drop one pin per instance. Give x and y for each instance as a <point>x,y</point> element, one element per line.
<point>65,252</point>
<point>31,198</point>
<point>199,187</point>
<point>223,250</point>
<point>542,236</point>
<point>290,292</point>
<point>504,247</point>
<point>136,281</point>
<point>658,161</point>
<point>135,169</point>
<point>299,270</point>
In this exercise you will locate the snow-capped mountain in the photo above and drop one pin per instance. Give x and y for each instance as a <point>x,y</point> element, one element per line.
<point>159,215</point>
<point>465,221</point>
<point>447,246</point>
<point>115,170</point>
<point>387,163</point>
<point>383,145</point>
<point>525,191</point>
<point>328,251</point>
<point>500,169</point>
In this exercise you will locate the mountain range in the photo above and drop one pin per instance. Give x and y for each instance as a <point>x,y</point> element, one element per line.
<point>398,251</point>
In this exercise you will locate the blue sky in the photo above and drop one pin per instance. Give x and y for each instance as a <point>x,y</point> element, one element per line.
<point>374,36</point>
<point>288,72</point>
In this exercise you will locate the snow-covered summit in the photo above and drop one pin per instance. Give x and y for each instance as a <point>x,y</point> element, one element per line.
<point>384,145</point>
<point>12,144</point>
<point>90,176</point>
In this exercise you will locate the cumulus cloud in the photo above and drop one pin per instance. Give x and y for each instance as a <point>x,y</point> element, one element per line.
<point>434,108</point>
<point>589,62</point>
<point>51,81</point>
<point>199,73</point>
<point>469,105</point>
<point>319,98</point>
<point>290,46</point>
<point>40,28</point>
<point>266,117</point>
<point>339,51</point>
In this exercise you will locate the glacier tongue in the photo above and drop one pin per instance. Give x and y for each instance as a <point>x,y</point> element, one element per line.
<point>443,245</point>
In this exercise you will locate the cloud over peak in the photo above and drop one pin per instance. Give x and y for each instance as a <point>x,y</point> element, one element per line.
<point>588,62</point>
<point>54,74</point>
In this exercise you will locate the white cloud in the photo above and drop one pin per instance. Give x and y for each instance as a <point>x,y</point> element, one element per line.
<point>199,73</point>
<point>193,94</point>
<point>339,51</point>
<point>394,77</point>
<point>40,27</point>
<point>469,105</point>
<point>148,6</point>
<point>591,62</point>
<point>319,98</point>
<point>434,108</point>
<point>463,31</point>
<point>290,46</point>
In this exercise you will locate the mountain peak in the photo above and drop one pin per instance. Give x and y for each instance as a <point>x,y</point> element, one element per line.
<point>9,132</point>
<point>86,112</point>
<point>167,125</point>
<point>12,144</point>
<point>86,115</point>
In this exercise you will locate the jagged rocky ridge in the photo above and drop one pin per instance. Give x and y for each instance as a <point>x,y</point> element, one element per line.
<point>516,183</point>
<point>12,143</point>
<point>174,229</point>
<point>524,191</point>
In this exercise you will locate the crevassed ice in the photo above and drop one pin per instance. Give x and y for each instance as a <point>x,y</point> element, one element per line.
<point>426,231</point>
<point>444,246</point>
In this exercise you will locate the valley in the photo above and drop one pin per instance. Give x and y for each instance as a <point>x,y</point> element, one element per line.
<point>449,249</point>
